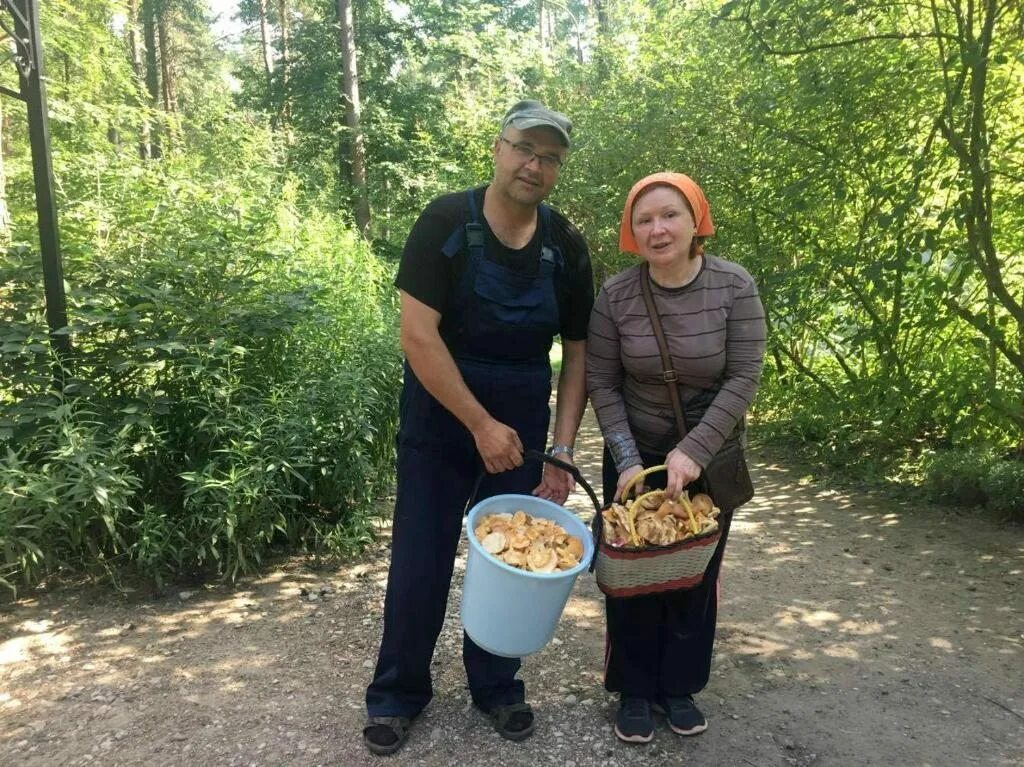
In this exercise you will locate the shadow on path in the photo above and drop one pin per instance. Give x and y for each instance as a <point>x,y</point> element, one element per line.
<point>853,631</point>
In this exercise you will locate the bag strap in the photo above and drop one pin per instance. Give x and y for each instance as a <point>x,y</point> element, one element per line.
<point>668,373</point>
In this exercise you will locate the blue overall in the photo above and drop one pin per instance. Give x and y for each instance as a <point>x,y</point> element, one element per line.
<point>498,325</point>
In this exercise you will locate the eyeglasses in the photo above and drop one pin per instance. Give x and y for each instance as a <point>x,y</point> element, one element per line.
<point>525,153</point>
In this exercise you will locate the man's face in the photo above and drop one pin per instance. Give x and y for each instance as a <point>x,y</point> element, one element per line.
<point>526,164</point>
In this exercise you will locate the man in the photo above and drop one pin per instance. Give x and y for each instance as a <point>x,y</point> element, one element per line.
<point>488,277</point>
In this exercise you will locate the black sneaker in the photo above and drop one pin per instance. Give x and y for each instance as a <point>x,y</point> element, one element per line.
<point>683,715</point>
<point>633,724</point>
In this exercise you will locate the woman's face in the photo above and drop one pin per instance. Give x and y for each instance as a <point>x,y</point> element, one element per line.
<point>663,226</point>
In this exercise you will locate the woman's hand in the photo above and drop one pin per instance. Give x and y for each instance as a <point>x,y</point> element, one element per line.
<point>682,470</point>
<point>624,479</point>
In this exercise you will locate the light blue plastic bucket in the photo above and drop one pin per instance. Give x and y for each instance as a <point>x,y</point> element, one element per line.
<point>511,612</point>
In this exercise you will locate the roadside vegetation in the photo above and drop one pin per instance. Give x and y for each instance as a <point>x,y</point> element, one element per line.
<point>231,221</point>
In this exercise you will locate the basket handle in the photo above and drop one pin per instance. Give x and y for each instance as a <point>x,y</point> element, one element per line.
<point>635,482</point>
<point>633,486</point>
<point>538,455</point>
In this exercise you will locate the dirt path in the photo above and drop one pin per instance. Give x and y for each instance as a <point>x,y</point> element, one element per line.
<point>853,631</point>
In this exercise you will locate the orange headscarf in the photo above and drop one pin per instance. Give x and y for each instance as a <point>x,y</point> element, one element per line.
<point>686,186</point>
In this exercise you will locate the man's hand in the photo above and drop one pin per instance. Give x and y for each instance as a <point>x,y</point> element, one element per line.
<point>682,470</point>
<point>624,479</point>
<point>556,484</point>
<point>499,446</point>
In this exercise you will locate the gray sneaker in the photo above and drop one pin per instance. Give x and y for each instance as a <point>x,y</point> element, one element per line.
<point>682,714</point>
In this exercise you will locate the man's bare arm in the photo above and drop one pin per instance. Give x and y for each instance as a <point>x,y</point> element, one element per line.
<point>570,402</point>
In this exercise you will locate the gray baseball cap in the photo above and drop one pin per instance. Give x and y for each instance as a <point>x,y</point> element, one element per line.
<point>532,114</point>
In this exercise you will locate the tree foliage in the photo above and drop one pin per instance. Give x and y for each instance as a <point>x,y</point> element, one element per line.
<point>235,371</point>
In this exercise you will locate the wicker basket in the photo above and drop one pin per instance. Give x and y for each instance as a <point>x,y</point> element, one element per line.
<point>635,571</point>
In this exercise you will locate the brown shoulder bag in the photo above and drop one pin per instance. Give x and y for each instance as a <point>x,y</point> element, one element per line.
<point>726,478</point>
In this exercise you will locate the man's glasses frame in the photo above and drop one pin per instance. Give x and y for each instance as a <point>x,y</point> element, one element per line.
<point>525,153</point>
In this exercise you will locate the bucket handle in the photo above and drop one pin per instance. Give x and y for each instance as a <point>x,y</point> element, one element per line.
<point>538,455</point>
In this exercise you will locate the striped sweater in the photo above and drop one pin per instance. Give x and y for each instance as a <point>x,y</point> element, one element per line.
<point>716,336</point>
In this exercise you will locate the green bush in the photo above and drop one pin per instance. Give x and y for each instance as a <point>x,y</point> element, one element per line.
<point>841,432</point>
<point>233,386</point>
<point>1004,488</point>
<point>66,498</point>
<point>955,476</point>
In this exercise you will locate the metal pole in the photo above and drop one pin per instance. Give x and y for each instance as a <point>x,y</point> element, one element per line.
<point>33,89</point>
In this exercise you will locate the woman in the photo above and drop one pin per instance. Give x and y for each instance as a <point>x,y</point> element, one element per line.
<point>659,646</point>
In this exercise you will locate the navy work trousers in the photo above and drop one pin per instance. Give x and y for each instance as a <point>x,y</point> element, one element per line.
<point>661,644</point>
<point>437,467</point>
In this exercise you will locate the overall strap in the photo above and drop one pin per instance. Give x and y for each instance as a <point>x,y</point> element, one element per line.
<point>471,233</point>
<point>474,229</point>
<point>550,254</point>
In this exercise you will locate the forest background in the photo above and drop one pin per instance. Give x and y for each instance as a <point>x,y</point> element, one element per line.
<point>232,210</point>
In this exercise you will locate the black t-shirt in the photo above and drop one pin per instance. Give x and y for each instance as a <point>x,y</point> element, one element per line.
<point>428,275</point>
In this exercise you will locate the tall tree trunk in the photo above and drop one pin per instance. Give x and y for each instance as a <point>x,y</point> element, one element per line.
<point>286,104</point>
<point>152,66</point>
<point>167,74</point>
<point>602,15</point>
<point>268,54</point>
<point>601,57</point>
<point>350,100</point>
<point>135,50</point>
<point>166,68</point>
<point>5,216</point>
<point>540,24</point>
